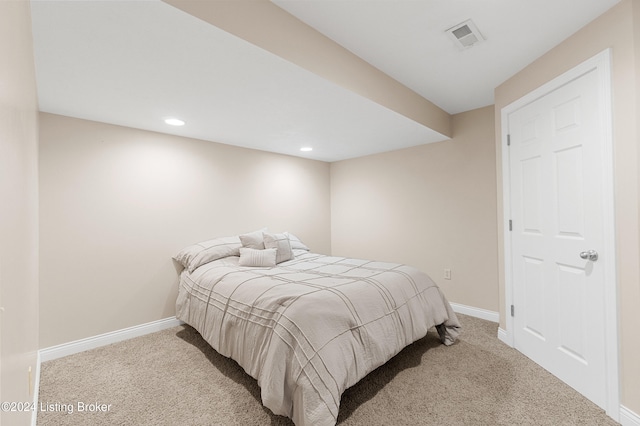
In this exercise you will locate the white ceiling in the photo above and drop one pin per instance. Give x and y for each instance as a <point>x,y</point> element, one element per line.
<point>134,63</point>
<point>406,39</point>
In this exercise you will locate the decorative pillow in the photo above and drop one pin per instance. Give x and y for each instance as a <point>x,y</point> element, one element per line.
<point>207,251</point>
<point>295,242</point>
<point>280,242</point>
<point>255,257</point>
<point>253,240</point>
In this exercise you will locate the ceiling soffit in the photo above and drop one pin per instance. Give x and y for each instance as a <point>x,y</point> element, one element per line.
<point>269,27</point>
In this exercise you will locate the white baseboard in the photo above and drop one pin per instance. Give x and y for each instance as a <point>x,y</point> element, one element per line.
<point>628,417</point>
<point>476,312</point>
<point>59,351</point>
<point>36,391</point>
<point>502,336</point>
<point>482,314</point>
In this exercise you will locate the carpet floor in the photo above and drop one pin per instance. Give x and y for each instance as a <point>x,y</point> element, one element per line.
<point>173,377</point>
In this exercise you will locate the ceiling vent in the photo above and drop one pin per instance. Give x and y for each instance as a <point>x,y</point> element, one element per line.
<point>465,34</point>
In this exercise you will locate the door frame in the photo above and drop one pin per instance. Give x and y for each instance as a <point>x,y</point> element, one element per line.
<point>601,63</point>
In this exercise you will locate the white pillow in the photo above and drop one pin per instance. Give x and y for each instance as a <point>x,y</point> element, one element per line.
<point>295,242</point>
<point>280,242</point>
<point>207,251</point>
<point>253,240</point>
<point>255,257</point>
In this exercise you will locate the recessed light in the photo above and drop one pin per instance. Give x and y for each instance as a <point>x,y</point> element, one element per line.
<point>306,149</point>
<point>174,121</point>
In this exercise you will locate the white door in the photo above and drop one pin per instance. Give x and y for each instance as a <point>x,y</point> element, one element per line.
<point>558,227</point>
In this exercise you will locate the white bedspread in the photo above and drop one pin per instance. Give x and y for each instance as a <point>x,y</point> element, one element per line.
<point>313,326</point>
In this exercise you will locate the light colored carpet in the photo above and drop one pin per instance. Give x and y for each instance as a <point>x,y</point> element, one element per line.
<point>173,377</point>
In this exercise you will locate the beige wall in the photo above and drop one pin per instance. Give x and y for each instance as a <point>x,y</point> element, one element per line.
<point>19,209</point>
<point>116,203</point>
<point>614,29</point>
<point>431,206</point>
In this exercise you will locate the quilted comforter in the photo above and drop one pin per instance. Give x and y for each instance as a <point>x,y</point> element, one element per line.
<point>313,326</point>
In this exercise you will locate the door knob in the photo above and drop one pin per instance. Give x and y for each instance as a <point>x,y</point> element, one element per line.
<point>591,255</point>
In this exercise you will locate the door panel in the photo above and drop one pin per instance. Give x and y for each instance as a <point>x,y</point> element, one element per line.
<point>531,203</point>
<point>570,210</point>
<point>571,284</point>
<point>533,319</point>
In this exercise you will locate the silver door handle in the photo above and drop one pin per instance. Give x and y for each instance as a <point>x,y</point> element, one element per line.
<point>591,255</point>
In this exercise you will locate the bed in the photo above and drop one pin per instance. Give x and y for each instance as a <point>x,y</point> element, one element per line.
<point>306,326</point>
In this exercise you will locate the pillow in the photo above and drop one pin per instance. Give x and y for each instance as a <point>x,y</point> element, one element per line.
<point>255,257</point>
<point>280,242</point>
<point>295,242</point>
<point>253,240</point>
<point>207,251</point>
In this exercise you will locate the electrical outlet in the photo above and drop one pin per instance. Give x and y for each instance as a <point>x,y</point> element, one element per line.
<point>447,274</point>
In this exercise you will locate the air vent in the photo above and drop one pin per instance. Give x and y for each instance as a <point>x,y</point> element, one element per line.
<point>465,34</point>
